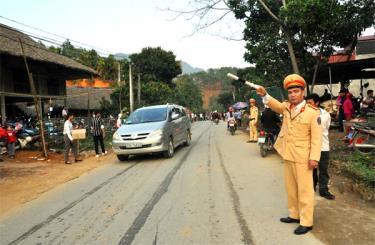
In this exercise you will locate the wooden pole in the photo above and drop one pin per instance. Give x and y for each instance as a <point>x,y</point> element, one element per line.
<point>139,89</point>
<point>36,103</point>
<point>119,85</point>
<point>131,97</point>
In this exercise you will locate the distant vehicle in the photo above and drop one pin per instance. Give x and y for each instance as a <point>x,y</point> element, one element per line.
<point>152,129</point>
<point>232,126</point>
<point>265,141</point>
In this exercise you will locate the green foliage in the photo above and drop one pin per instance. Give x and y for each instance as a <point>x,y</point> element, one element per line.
<point>188,94</point>
<point>107,67</point>
<point>225,99</point>
<point>154,93</point>
<point>315,27</point>
<point>361,167</point>
<point>213,76</point>
<point>156,64</point>
<point>214,105</point>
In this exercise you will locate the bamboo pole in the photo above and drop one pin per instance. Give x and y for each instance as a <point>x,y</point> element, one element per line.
<point>36,102</point>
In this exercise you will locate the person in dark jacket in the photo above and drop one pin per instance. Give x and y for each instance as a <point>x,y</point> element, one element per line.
<point>97,129</point>
<point>270,121</point>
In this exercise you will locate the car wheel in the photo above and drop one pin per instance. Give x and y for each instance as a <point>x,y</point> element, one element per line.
<point>122,158</point>
<point>188,138</point>
<point>170,152</point>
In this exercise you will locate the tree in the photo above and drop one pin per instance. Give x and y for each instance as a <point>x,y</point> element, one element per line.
<point>154,93</point>
<point>306,28</point>
<point>156,64</point>
<point>107,68</point>
<point>294,35</point>
<point>188,94</point>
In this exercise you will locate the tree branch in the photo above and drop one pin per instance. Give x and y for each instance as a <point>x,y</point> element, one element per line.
<point>270,12</point>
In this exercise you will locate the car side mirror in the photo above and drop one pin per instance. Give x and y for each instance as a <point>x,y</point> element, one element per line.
<point>174,116</point>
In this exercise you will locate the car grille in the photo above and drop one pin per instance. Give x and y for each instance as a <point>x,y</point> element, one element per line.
<point>140,136</point>
<point>143,146</point>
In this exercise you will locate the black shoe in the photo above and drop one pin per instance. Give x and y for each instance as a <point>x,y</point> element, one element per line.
<point>78,160</point>
<point>327,195</point>
<point>302,230</point>
<point>68,162</point>
<point>289,220</point>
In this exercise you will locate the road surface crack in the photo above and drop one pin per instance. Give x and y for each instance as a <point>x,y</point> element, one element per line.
<point>142,217</point>
<point>245,231</point>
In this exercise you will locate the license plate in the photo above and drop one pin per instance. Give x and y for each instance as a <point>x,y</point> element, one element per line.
<point>261,140</point>
<point>133,145</point>
<point>350,135</point>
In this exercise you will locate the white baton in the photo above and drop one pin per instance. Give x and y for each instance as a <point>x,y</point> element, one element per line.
<point>234,77</point>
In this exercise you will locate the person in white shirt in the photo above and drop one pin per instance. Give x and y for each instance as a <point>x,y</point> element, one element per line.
<point>119,120</point>
<point>68,139</point>
<point>322,178</point>
<point>64,112</point>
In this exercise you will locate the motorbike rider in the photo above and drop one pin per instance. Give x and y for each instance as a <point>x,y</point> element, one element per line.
<point>230,116</point>
<point>215,115</point>
<point>271,122</point>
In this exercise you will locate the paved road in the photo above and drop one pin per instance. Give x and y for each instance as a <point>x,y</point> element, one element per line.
<point>217,191</point>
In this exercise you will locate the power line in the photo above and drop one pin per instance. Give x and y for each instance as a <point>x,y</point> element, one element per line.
<point>53,34</point>
<point>46,39</point>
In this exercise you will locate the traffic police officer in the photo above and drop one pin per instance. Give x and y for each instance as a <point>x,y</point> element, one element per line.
<point>253,117</point>
<point>299,143</point>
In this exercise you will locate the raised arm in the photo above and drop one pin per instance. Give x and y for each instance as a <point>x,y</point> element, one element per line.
<point>274,104</point>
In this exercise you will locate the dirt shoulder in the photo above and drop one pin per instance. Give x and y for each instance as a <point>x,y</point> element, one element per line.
<point>26,177</point>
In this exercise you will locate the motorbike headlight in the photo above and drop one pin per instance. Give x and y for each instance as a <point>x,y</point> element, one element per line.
<point>157,133</point>
<point>29,139</point>
<point>116,136</point>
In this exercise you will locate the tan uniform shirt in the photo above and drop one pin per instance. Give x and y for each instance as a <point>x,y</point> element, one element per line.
<point>253,114</point>
<point>300,137</point>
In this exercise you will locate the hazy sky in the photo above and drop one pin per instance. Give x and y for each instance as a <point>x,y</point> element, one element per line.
<point>127,26</point>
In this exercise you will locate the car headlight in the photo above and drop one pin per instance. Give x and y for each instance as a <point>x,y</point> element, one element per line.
<point>116,136</point>
<point>157,133</point>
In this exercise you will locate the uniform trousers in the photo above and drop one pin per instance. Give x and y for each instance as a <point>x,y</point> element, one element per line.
<point>253,131</point>
<point>300,192</point>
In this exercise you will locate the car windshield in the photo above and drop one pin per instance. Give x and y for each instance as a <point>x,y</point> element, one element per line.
<point>147,115</point>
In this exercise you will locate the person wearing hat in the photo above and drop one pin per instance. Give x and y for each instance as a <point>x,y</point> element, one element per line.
<point>299,144</point>
<point>253,119</point>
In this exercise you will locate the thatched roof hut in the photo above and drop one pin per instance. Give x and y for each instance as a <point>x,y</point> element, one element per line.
<point>49,70</point>
<point>10,44</point>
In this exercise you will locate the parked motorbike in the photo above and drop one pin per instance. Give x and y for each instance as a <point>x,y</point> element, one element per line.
<point>265,141</point>
<point>27,138</point>
<point>232,127</point>
<point>362,138</point>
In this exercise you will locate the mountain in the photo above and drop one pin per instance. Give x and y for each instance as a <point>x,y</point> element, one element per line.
<point>121,56</point>
<point>188,69</point>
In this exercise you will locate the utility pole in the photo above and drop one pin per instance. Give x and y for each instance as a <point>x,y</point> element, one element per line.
<point>119,84</point>
<point>139,88</point>
<point>131,96</point>
<point>36,102</point>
